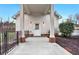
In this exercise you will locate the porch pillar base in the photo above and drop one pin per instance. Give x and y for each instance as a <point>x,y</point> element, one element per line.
<point>52,39</point>
<point>22,39</point>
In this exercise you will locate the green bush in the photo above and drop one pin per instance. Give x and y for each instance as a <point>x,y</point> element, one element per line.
<point>66,29</point>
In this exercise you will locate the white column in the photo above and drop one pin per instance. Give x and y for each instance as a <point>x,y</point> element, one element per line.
<point>22,20</point>
<point>52,22</point>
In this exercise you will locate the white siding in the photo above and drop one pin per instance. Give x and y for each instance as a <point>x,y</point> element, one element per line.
<point>29,23</point>
<point>18,27</point>
<point>56,25</point>
<point>26,22</point>
<point>46,25</point>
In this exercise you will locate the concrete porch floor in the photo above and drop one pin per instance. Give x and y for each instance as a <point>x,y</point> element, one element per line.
<point>38,46</point>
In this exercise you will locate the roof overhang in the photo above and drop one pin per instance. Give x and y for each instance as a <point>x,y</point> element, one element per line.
<point>36,8</point>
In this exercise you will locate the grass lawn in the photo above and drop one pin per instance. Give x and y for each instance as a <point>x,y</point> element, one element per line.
<point>10,36</point>
<point>10,41</point>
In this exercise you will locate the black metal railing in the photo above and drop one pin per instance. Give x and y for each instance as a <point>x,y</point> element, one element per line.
<point>8,39</point>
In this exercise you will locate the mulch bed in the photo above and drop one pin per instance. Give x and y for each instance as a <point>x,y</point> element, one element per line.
<point>71,44</point>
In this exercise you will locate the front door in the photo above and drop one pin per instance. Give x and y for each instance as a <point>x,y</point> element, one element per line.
<point>37,31</point>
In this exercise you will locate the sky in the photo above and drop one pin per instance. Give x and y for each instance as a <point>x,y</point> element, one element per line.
<point>8,10</point>
<point>66,10</point>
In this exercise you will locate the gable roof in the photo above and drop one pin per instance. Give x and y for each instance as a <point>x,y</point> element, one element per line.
<point>55,13</point>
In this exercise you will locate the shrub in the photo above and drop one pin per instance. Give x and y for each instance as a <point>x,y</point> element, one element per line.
<point>66,29</point>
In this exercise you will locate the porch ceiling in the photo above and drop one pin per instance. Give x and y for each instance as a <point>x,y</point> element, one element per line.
<point>36,8</point>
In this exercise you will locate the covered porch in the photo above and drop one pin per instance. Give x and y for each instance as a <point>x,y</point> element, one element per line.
<point>37,10</point>
<point>38,46</point>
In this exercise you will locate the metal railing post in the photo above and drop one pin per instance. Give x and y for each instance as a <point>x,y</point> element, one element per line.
<point>5,41</point>
<point>17,33</point>
<point>1,42</point>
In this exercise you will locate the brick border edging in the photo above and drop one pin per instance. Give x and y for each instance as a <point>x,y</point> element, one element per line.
<point>52,40</point>
<point>22,39</point>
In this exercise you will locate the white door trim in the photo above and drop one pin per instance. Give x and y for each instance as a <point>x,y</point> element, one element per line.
<point>37,31</point>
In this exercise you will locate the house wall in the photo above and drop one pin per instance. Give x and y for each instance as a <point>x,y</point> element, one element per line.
<point>75,32</point>
<point>56,25</point>
<point>30,20</point>
<point>18,22</point>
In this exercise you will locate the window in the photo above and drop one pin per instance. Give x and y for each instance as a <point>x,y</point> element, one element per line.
<point>36,26</point>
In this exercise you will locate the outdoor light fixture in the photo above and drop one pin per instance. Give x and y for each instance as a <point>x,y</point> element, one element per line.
<point>43,22</point>
<point>30,22</point>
